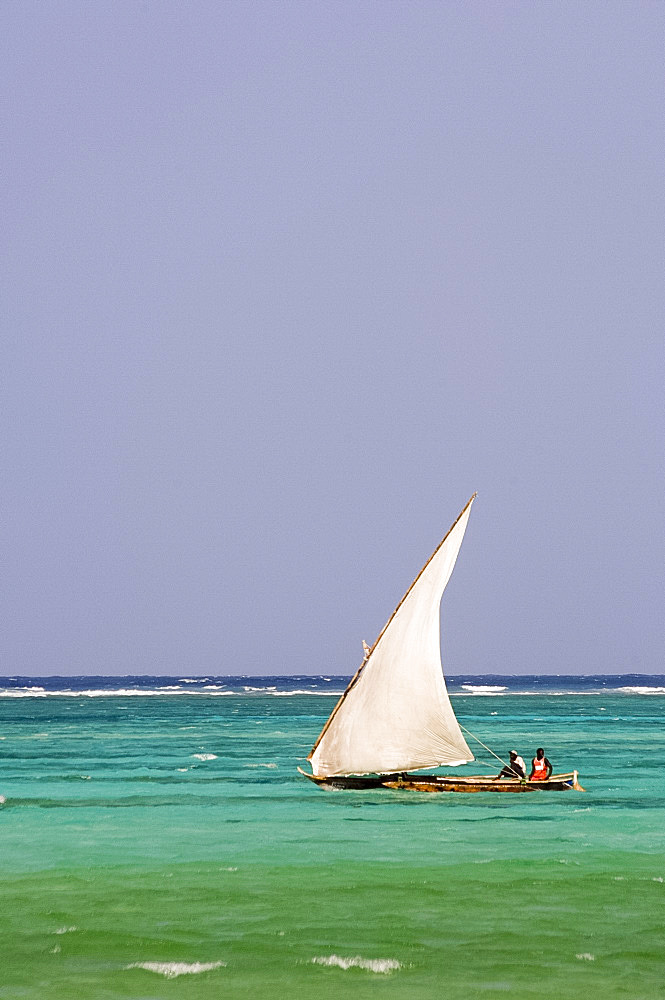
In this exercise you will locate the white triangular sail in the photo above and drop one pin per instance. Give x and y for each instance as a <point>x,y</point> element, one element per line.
<point>396,714</point>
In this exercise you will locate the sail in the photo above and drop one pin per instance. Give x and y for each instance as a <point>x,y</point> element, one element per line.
<point>396,714</point>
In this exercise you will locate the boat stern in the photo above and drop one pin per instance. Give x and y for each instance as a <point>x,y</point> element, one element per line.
<point>575,784</point>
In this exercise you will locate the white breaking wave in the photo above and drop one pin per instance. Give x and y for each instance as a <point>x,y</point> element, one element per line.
<point>271,766</point>
<point>65,930</point>
<point>173,969</point>
<point>535,694</point>
<point>642,690</point>
<point>289,694</point>
<point>91,693</point>
<point>586,956</point>
<point>382,965</point>
<point>113,693</point>
<point>211,691</point>
<point>484,688</point>
<point>205,756</point>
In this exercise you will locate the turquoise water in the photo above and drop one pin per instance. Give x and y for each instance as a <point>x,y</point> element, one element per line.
<point>158,846</point>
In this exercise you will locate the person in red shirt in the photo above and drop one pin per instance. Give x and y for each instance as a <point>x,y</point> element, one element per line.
<point>540,766</point>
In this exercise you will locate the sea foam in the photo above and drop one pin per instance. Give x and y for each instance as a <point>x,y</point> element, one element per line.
<point>171,691</point>
<point>641,689</point>
<point>483,688</point>
<point>205,756</point>
<point>173,969</point>
<point>290,694</point>
<point>382,965</point>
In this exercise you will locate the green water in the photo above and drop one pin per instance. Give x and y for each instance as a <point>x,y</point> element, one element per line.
<point>121,848</point>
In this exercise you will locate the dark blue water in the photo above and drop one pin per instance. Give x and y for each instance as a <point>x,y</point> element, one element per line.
<point>212,684</point>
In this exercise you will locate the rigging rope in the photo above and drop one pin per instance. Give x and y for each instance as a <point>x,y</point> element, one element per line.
<point>483,744</point>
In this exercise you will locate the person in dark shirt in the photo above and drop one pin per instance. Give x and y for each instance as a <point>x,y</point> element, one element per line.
<point>516,768</point>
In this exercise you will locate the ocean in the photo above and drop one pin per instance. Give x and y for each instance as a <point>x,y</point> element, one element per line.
<point>157,841</point>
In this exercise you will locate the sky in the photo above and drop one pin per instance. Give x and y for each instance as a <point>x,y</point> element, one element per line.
<point>283,284</point>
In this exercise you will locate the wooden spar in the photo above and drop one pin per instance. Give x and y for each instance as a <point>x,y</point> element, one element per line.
<point>356,676</point>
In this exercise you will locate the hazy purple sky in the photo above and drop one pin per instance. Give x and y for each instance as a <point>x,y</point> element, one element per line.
<point>283,284</point>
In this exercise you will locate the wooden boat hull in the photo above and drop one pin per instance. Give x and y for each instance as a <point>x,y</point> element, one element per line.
<point>444,783</point>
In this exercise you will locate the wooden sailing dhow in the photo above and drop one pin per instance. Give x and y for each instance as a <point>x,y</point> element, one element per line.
<point>395,715</point>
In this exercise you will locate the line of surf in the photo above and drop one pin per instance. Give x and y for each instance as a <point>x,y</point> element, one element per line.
<point>159,692</point>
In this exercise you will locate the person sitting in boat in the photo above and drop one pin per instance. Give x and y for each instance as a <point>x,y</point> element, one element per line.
<point>540,766</point>
<point>516,768</point>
